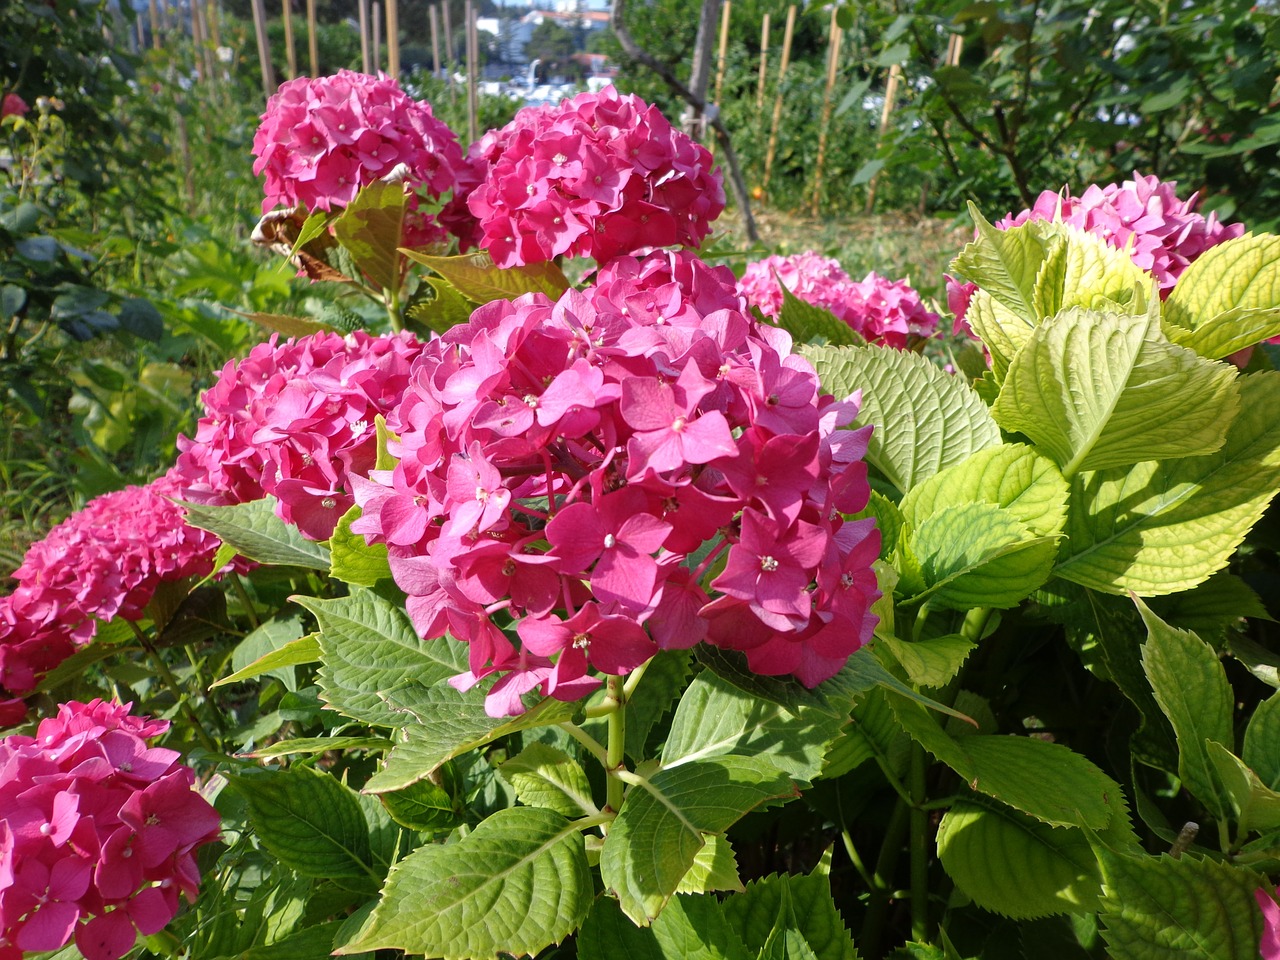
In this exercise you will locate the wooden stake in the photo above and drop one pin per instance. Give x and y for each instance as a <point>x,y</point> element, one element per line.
<point>313,44</point>
<point>215,31</point>
<point>473,57</point>
<point>890,95</point>
<point>724,46</point>
<point>291,55</point>
<point>155,24</point>
<point>833,65</point>
<point>448,42</point>
<point>366,63</point>
<point>377,37</point>
<point>393,39</point>
<point>777,100</point>
<point>955,47</point>
<point>264,51</point>
<point>434,16</point>
<point>764,64</point>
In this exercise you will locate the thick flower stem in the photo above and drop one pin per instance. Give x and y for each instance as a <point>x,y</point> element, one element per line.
<point>391,298</point>
<point>919,847</point>
<point>175,688</point>
<point>616,744</point>
<point>238,586</point>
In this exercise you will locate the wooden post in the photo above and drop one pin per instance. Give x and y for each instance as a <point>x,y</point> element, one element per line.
<point>833,65</point>
<point>290,54</point>
<point>764,64</point>
<point>264,51</point>
<point>724,47</point>
<point>434,17</point>
<point>448,41</point>
<point>473,66</point>
<point>366,61</point>
<point>393,39</point>
<point>777,100</point>
<point>154,9</point>
<point>313,44</point>
<point>890,95</point>
<point>377,36</point>
<point>215,30</point>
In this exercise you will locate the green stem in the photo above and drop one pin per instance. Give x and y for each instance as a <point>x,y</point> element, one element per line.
<point>975,623</point>
<point>873,928</point>
<point>919,847</point>
<point>614,755</point>
<point>592,745</point>
<point>238,586</point>
<point>175,688</point>
<point>391,298</point>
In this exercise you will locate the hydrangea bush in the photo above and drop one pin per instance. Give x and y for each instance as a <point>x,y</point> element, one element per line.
<point>672,613</point>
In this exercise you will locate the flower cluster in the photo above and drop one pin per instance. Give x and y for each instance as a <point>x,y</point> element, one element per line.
<point>589,472</point>
<point>599,175</point>
<point>104,561</point>
<point>13,106</point>
<point>99,832</point>
<point>294,420</point>
<point>322,139</point>
<point>1269,948</point>
<point>879,310</point>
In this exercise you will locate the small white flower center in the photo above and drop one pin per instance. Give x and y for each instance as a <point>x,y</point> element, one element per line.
<point>768,564</point>
<point>582,641</point>
<point>328,503</point>
<point>560,158</point>
<point>609,540</point>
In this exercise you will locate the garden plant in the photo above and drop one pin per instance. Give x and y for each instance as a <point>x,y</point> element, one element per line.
<point>665,612</point>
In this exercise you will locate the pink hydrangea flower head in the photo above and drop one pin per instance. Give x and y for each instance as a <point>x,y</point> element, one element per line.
<point>295,419</point>
<point>100,832</point>
<point>1270,945</point>
<point>323,139</point>
<point>1164,235</point>
<point>13,106</point>
<point>570,471</point>
<point>879,310</point>
<point>600,175</point>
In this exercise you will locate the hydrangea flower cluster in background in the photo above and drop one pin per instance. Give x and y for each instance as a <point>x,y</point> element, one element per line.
<point>99,833</point>
<point>1164,235</point>
<point>323,139</point>
<point>578,467</point>
<point>294,420</point>
<point>104,561</point>
<point>13,106</point>
<point>879,310</point>
<point>599,175</point>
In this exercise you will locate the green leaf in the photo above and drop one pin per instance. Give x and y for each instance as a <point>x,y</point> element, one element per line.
<point>1242,274</point>
<point>937,420</point>
<point>370,230</point>
<point>441,308</point>
<point>303,650</point>
<point>288,325</point>
<point>543,776</point>
<point>1256,807</point>
<point>714,868</point>
<point>423,806</point>
<point>1010,475</point>
<point>1046,780</point>
<point>1222,335</point>
<point>691,928</point>
<point>268,640</point>
<point>367,647</point>
<point>1001,331</point>
<point>1004,263</point>
<point>475,277</point>
<point>354,561</point>
<point>308,943</point>
<point>1214,608</point>
<point>449,722</point>
<point>313,745</point>
<point>1260,739</point>
<point>308,821</point>
<point>1159,908</point>
<point>1192,690</point>
<point>806,321</point>
<point>257,533</point>
<point>1016,866</point>
<point>655,696</point>
<point>1162,527</point>
<point>800,904</point>
<point>978,555</point>
<point>660,828</point>
<point>516,884</point>
<point>715,718</point>
<point>1097,390</point>
<point>931,663</point>
<point>1086,271</point>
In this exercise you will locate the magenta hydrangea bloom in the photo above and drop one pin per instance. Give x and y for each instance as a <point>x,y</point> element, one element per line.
<point>599,175</point>
<point>99,833</point>
<point>13,106</point>
<point>294,419</point>
<point>323,139</point>
<point>561,465</point>
<point>879,310</point>
<point>1269,948</point>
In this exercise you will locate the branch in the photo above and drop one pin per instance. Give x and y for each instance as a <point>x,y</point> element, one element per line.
<point>645,58</point>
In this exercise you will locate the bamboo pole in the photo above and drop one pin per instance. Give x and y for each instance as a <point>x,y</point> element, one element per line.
<point>142,35</point>
<point>393,39</point>
<point>777,100</point>
<point>724,47</point>
<point>434,16</point>
<point>215,31</point>
<point>833,66</point>
<point>313,44</point>
<point>764,64</point>
<point>366,62</point>
<point>890,96</point>
<point>198,42</point>
<point>448,41</point>
<point>154,9</point>
<point>264,51</point>
<point>291,54</point>
<point>377,36</point>
<point>473,57</point>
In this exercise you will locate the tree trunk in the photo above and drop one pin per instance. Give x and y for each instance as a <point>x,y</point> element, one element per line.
<point>700,73</point>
